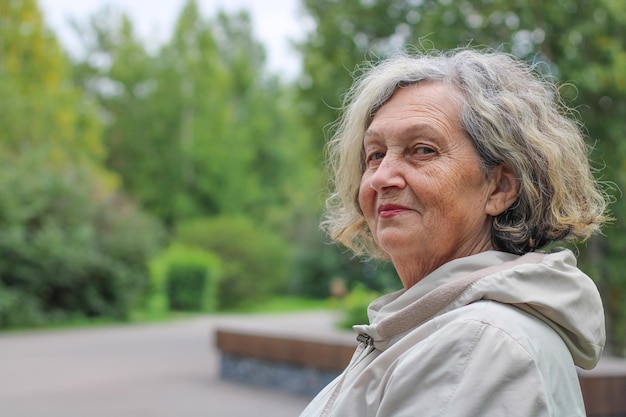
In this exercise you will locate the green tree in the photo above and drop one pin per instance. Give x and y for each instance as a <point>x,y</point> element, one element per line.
<point>140,126</point>
<point>71,244</point>
<point>199,127</point>
<point>38,106</point>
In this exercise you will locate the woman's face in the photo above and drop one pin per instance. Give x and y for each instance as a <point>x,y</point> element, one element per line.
<point>423,193</point>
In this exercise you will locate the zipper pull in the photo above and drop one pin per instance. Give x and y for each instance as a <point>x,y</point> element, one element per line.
<point>365,338</point>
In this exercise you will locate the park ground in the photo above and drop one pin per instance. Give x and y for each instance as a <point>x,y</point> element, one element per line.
<point>155,370</point>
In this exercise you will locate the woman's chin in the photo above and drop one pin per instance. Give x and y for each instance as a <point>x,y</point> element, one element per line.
<point>396,245</point>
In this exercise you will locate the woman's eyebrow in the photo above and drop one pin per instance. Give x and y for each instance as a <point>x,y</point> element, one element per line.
<point>408,130</point>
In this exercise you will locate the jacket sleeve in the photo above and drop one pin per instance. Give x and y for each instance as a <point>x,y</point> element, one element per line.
<point>467,368</point>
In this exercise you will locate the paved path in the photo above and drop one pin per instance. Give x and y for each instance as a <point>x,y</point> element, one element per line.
<point>155,370</point>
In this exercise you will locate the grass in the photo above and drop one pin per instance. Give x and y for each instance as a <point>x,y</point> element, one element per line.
<point>135,317</point>
<point>277,304</point>
<point>285,304</point>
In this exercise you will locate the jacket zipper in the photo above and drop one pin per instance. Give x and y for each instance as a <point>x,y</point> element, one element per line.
<point>365,338</point>
<point>367,347</point>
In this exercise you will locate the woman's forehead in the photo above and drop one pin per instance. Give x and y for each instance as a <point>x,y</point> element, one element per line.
<point>418,107</point>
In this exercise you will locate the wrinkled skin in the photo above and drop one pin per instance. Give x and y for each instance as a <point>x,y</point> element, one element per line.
<point>424,194</point>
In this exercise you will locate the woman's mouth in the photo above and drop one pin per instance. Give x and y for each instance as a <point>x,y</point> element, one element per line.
<point>391,210</point>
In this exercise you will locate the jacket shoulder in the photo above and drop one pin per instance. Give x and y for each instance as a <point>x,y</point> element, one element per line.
<point>492,358</point>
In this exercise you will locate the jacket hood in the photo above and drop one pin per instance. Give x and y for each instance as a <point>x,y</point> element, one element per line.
<point>547,285</point>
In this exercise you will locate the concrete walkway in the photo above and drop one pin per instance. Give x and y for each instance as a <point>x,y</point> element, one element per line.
<point>156,370</point>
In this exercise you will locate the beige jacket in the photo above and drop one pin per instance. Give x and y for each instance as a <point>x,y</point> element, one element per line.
<point>492,334</point>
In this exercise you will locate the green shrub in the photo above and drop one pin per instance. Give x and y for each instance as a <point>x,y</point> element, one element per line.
<point>70,249</point>
<point>18,309</point>
<point>254,260</point>
<point>317,264</point>
<point>184,278</point>
<point>185,286</point>
<point>354,306</point>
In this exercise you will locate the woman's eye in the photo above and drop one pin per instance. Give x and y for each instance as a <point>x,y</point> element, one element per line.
<point>423,150</point>
<point>376,156</point>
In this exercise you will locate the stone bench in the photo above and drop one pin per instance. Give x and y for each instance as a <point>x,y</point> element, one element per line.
<point>604,388</point>
<point>298,364</point>
<point>301,363</point>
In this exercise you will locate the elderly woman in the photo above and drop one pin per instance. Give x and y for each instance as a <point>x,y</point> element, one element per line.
<point>460,168</point>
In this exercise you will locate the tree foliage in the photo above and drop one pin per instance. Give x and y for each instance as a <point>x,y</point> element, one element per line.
<point>36,94</point>
<point>198,133</point>
<point>70,244</point>
<point>196,128</point>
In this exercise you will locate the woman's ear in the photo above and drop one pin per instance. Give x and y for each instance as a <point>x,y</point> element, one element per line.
<point>504,190</point>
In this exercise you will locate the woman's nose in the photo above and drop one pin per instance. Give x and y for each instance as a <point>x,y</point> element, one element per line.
<point>388,174</point>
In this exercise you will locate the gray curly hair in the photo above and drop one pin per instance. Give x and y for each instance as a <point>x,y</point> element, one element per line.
<point>513,117</point>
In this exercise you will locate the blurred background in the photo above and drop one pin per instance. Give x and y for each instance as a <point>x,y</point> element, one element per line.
<point>166,158</point>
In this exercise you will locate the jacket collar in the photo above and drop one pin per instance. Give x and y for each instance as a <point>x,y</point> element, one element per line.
<point>550,288</point>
